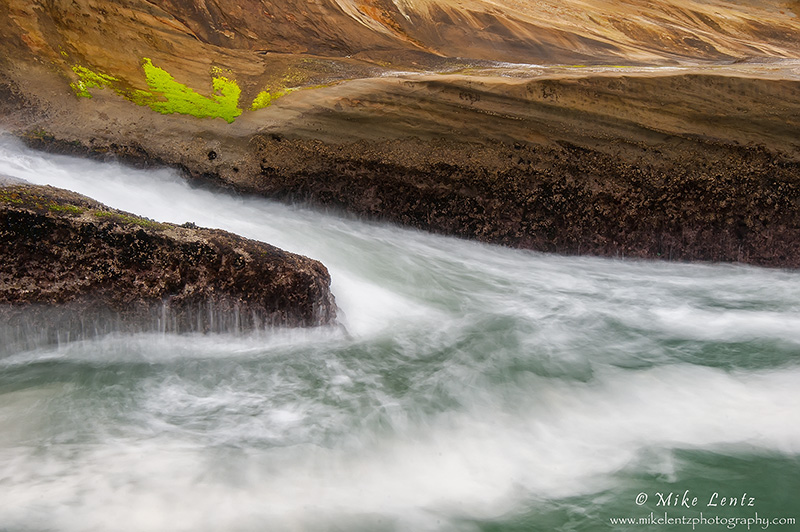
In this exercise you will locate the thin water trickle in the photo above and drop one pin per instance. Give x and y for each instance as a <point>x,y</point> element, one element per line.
<point>476,388</point>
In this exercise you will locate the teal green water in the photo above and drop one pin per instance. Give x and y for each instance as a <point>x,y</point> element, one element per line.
<point>468,388</point>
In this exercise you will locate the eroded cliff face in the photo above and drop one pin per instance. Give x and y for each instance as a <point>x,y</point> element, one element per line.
<point>70,265</point>
<point>394,30</point>
<point>651,129</point>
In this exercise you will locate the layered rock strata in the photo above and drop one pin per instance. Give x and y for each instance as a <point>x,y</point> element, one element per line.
<point>661,129</point>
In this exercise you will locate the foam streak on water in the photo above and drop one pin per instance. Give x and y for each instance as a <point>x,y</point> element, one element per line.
<point>476,388</point>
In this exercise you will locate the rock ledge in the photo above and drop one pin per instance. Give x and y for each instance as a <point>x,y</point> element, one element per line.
<point>78,266</point>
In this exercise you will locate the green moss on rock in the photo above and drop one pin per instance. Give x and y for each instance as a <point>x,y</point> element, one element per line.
<point>265,99</point>
<point>128,219</point>
<point>166,95</point>
<point>90,79</point>
<point>179,98</point>
<point>72,209</point>
<point>6,197</point>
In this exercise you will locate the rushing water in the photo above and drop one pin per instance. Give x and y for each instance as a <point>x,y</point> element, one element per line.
<point>475,388</point>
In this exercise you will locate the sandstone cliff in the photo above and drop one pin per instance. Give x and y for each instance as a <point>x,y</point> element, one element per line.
<point>648,129</point>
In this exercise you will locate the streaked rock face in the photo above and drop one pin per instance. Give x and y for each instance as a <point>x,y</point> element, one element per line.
<point>499,30</point>
<point>78,265</point>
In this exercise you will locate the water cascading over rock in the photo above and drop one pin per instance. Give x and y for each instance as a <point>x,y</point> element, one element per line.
<point>72,267</point>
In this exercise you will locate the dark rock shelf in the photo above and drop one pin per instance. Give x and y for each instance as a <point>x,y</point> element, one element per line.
<point>71,265</point>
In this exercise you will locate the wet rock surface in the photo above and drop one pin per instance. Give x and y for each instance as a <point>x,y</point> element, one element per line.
<point>68,263</point>
<point>675,137</point>
<point>693,202</point>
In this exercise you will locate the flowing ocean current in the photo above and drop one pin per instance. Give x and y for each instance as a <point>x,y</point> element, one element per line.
<point>469,388</point>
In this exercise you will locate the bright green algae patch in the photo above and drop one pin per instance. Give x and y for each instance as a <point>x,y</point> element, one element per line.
<point>265,99</point>
<point>167,96</point>
<point>88,79</point>
<point>181,99</point>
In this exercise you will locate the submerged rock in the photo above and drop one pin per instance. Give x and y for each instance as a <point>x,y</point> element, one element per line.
<point>72,266</point>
